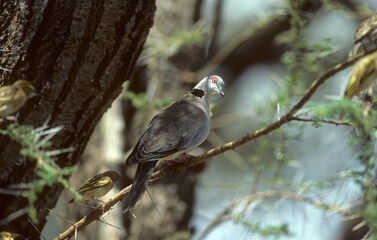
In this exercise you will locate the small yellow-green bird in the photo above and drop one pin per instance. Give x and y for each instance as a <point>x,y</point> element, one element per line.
<point>365,36</point>
<point>7,236</point>
<point>363,75</point>
<point>13,97</point>
<point>97,186</point>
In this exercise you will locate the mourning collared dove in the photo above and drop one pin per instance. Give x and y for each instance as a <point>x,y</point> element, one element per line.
<point>176,130</point>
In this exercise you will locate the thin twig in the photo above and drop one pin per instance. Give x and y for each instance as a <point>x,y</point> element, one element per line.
<point>154,204</point>
<point>215,151</point>
<point>95,230</point>
<point>111,225</point>
<point>57,214</point>
<point>39,232</point>
<point>320,121</point>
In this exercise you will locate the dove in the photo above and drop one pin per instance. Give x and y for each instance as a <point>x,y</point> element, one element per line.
<point>174,131</point>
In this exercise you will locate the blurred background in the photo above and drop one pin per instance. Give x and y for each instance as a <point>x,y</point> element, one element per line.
<point>295,183</point>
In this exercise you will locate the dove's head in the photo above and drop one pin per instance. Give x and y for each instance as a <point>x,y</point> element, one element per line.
<point>212,85</point>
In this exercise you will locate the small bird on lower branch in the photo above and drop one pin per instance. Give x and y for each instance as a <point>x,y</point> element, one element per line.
<point>97,186</point>
<point>176,130</point>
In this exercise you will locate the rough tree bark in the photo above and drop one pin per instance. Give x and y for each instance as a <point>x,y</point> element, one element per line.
<point>77,54</point>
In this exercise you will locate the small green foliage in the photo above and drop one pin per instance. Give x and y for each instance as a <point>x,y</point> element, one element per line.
<point>68,170</point>
<point>370,212</point>
<point>304,62</point>
<point>274,232</point>
<point>212,106</point>
<point>352,111</point>
<point>140,100</point>
<point>180,235</point>
<point>317,121</point>
<point>33,214</point>
<point>335,6</point>
<point>34,143</point>
<point>177,40</point>
<point>184,38</point>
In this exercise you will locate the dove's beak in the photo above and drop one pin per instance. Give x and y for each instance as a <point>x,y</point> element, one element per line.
<point>222,93</point>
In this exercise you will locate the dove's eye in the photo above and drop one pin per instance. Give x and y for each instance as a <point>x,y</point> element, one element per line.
<point>214,79</point>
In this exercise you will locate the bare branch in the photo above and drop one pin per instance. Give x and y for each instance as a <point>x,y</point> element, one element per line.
<point>320,121</point>
<point>223,215</point>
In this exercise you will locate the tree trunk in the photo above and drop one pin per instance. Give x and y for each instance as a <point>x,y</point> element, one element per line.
<point>77,54</point>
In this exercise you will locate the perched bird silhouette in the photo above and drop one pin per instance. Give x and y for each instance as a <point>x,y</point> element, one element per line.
<point>97,186</point>
<point>365,36</point>
<point>363,75</point>
<point>13,97</point>
<point>176,130</point>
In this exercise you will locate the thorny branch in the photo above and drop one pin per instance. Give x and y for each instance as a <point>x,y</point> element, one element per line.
<point>222,216</point>
<point>289,116</point>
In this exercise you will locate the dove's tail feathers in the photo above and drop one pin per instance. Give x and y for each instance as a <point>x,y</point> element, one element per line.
<point>143,174</point>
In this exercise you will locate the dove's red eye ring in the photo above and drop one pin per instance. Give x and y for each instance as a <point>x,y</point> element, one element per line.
<point>214,79</point>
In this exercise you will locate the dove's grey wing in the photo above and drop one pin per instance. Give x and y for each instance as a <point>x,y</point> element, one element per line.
<point>182,126</point>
